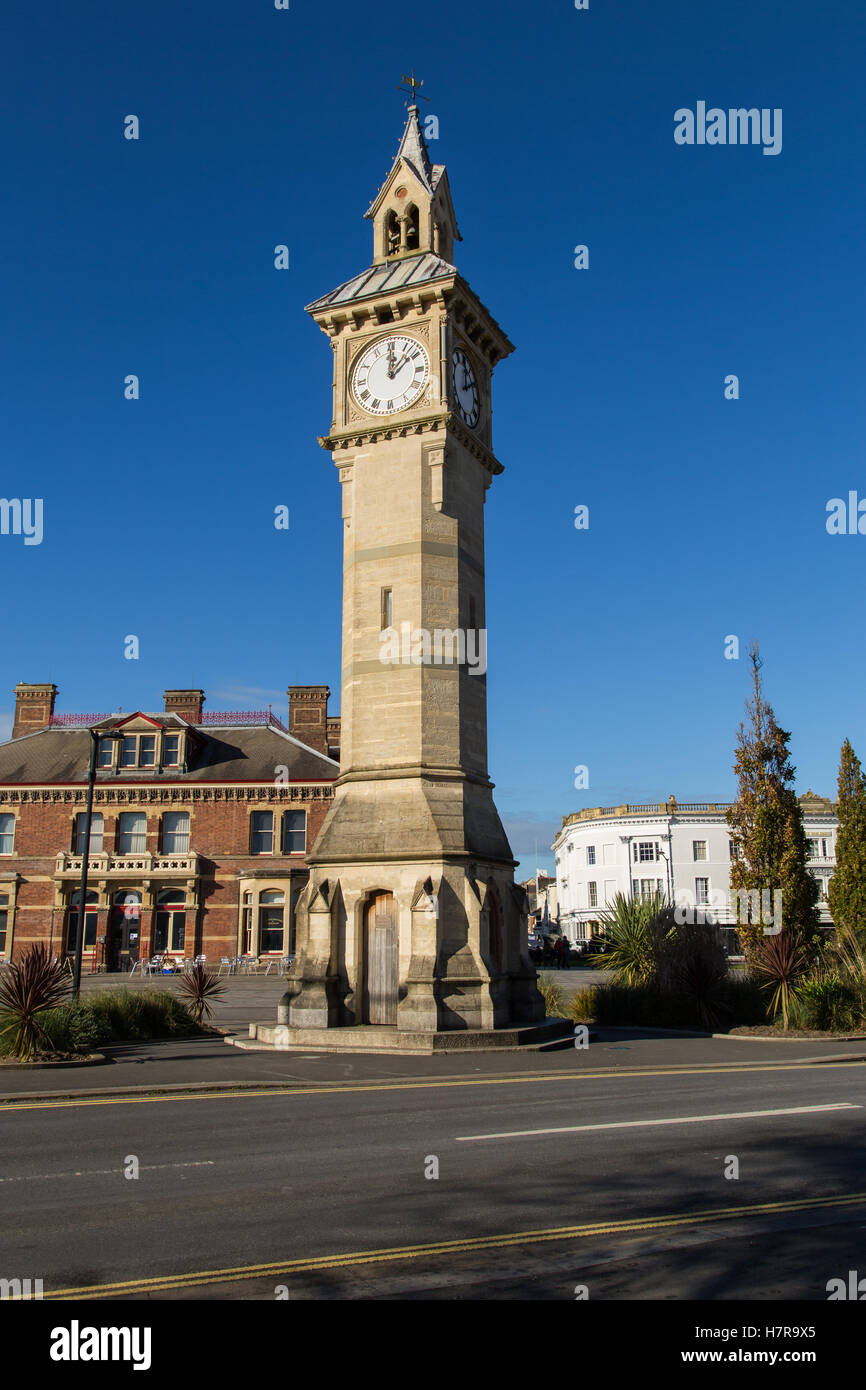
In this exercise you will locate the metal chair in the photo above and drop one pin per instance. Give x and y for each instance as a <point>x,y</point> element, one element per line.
<point>227,964</point>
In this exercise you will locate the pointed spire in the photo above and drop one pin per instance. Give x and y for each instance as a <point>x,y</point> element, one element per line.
<point>413,148</point>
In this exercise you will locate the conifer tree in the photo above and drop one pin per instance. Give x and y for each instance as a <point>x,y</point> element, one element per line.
<point>847,890</point>
<point>767,829</point>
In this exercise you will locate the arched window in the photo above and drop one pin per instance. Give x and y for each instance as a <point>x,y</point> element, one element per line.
<point>128,900</point>
<point>412,229</point>
<point>169,931</point>
<point>271,928</point>
<point>89,921</point>
<point>392,234</point>
<point>124,929</point>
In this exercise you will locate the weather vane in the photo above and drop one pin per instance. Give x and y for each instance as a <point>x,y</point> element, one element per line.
<point>413,84</point>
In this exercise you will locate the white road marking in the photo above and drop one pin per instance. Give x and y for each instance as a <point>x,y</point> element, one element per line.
<point>116,1172</point>
<point>645,1124</point>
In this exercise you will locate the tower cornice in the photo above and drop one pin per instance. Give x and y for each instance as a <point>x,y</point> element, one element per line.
<point>444,421</point>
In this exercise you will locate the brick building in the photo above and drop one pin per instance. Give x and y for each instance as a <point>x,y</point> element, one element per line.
<point>201,826</point>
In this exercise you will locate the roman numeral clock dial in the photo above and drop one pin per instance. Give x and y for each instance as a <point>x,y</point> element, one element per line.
<point>390,375</point>
<point>465,388</point>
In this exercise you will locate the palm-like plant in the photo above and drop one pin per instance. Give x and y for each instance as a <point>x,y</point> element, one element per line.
<point>198,988</point>
<point>633,930</point>
<point>780,963</point>
<point>693,964</point>
<point>27,987</point>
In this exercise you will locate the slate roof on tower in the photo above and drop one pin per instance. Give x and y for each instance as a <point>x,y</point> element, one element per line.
<point>393,275</point>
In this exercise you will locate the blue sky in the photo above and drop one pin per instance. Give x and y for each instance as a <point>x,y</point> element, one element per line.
<point>259,127</point>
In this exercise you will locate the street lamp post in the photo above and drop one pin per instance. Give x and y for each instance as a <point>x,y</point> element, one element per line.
<point>85,858</point>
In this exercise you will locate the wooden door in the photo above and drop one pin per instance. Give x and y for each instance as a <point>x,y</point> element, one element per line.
<point>382,960</point>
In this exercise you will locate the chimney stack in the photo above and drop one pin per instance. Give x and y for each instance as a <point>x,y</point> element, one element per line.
<point>308,715</point>
<point>334,737</point>
<point>34,706</point>
<point>186,703</point>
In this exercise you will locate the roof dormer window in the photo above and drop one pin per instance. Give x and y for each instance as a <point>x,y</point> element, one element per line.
<point>106,752</point>
<point>171,750</point>
<point>138,750</point>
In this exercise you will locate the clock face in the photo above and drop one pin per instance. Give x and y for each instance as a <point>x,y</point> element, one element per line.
<point>390,375</point>
<point>465,388</point>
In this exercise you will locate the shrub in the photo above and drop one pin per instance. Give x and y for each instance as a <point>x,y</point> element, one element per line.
<point>692,964</point>
<point>75,1027</point>
<point>115,1016</point>
<point>846,957</point>
<point>582,1006</point>
<point>551,993</point>
<point>828,1004</point>
<point>744,1001</point>
<point>126,1015</point>
<point>734,1001</point>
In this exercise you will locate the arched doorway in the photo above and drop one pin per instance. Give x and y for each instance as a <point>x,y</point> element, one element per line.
<point>90,922</point>
<point>124,937</point>
<point>169,926</point>
<point>381,958</point>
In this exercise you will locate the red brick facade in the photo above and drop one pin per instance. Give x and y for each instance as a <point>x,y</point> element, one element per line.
<point>198,875</point>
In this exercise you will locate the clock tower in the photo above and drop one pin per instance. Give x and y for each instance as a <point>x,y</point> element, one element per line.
<point>411,919</point>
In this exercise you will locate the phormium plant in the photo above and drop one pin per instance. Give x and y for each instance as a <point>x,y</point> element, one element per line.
<point>198,988</point>
<point>27,986</point>
<point>780,963</point>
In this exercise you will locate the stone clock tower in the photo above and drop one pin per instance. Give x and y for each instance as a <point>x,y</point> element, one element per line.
<point>411,919</point>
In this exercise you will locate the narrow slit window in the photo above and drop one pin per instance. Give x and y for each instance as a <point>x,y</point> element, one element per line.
<point>386,609</point>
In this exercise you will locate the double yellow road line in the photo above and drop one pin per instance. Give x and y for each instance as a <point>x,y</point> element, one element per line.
<point>9,1105</point>
<point>282,1269</point>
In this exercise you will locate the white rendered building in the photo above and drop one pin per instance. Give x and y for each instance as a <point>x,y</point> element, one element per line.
<point>681,850</point>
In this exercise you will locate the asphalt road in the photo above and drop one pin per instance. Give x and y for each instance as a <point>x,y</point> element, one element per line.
<point>554,1171</point>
